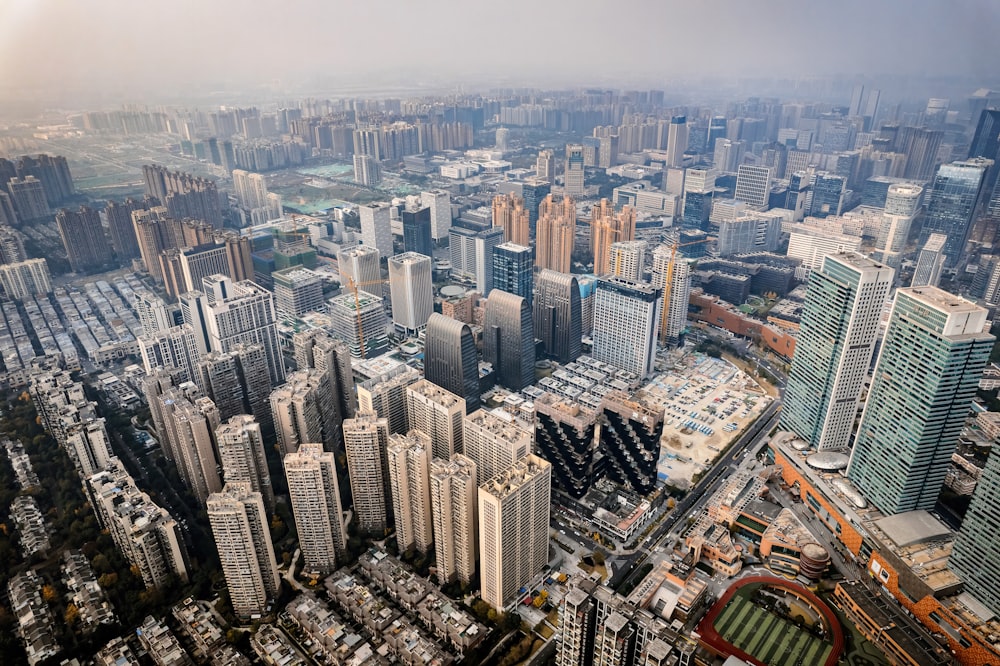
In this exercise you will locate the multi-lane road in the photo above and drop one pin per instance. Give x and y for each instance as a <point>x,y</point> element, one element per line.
<point>748,444</point>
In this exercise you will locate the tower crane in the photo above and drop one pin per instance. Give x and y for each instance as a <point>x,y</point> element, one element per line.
<point>353,286</point>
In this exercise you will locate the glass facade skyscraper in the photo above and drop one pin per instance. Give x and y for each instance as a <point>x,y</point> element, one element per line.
<point>513,269</point>
<point>839,328</point>
<point>558,315</point>
<point>974,555</point>
<point>951,204</point>
<point>451,360</point>
<point>509,339</point>
<point>927,373</point>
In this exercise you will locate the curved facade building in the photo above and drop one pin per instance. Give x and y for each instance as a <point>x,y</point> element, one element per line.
<point>558,315</point>
<point>509,339</point>
<point>451,360</point>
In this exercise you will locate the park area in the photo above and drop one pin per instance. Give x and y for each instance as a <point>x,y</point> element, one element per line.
<point>708,403</point>
<point>770,622</point>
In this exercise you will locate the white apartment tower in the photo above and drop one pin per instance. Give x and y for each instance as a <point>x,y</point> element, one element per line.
<point>494,442</point>
<point>242,536</point>
<point>376,227</point>
<point>439,201</point>
<point>454,497</point>
<point>314,492</point>
<point>241,453</point>
<point>411,291</point>
<point>626,259</point>
<point>514,511</point>
<point>366,438</point>
<point>437,413</point>
<point>409,460</point>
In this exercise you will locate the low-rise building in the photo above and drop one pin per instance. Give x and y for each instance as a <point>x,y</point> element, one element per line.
<point>35,624</point>
<point>85,593</point>
<point>160,643</point>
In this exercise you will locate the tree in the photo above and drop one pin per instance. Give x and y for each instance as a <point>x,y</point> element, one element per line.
<point>49,594</point>
<point>72,614</point>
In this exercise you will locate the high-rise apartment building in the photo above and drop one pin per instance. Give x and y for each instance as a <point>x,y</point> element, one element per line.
<point>190,425</point>
<point>230,313</point>
<point>242,536</point>
<point>121,229</point>
<point>439,201</point>
<point>513,270</point>
<point>437,413</point>
<point>366,438</point>
<point>314,493</point>
<point>83,239</point>
<point>833,354</point>
<point>626,259</point>
<point>606,227</point>
<point>558,315</point>
<point>174,348</point>
<point>417,230</point>
<point>304,409</point>
<point>184,195</point>
<point>367,171</point>
<point>454,497</point>
<point>242,457</point>
<point>361,323</point>
<point>237,382</point>
<point>385,395</point>
<point>331,357</point>
<point>555,234</point>
<point>360,264</point>
<point>909,429</point>
<point>24,279</point>
<point>451,360</point>
<point>376,227</point>
<point>626,323</point>
<point>951,204</point>
<point>573,176</point>
<point>412,292</point>
<point>89,446</point>
<point>11,245</point>
<point>509,339</point>
<point>753,184</point>
<point>28,197</point>
<point>146,534</point>
<point>566,436</point>
<point>494,442</point>
<point>256,202</point>
<point>510,215</point>
<point>676,317</point>
<point>677,141</point>
<point>514,509</point>
<point>930,261</point>
<point>409,462</point>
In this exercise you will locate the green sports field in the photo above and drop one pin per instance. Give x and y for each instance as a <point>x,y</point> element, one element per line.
<point>768,638</point>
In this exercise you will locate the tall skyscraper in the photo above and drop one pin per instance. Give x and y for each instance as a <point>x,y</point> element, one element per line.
<point>366,437</point>
<point>411,290</point>
<point>509,339</point>
<point>566,436</point>
<point>89,446</point>
<point>927,374</point>
<point>607,227</point>
<point>409,461</point>
<point>626,258</point>
<point>513,270</point>
<point>494,442</point>
<point>258,206</point>
<point>677,141</point>
<point>837,337</point>
<point>297,291</point>
<point>361,264</point>
<point>555,233</point>
<point>83,239</point>
<point>483,244</point>
<point>676,318</point>
<point>121,229</point>
<point>975,553</point>
<point>626,323</point>
<point>902,203</point>
<point>376,227</point>
<point>545,166</point>
<point>243,538</point>
<point>361,323</point>
<point>753,184</point>
<point>304,409</point>
<point>828,194</point>
<point>951,203</point>
<point>514,511</point>
<point>930,261</point>
<point>451,360</point>
<point>438,414</point>
<point>439,201</point>
<point>558,315</point>
<point>28,197</point>
<point>314,492</point>
<point>230,313</point>
<point>242,457</point>
<point>510,215</point>
<point>573,177</point>
<point>184,195</point>
<point>237,381</point>
<point>190,426</point>
<point>454,496</point>
<point>331,357</point>
<point>417,230</point>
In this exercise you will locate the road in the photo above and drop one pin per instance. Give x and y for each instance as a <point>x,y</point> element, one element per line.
<point>749,443</point>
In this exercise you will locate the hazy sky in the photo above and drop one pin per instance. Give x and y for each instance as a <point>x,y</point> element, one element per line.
<point>202,45</point>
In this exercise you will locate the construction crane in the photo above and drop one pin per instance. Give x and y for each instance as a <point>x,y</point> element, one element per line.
<point>353,286</point>
<point>668,284</point>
